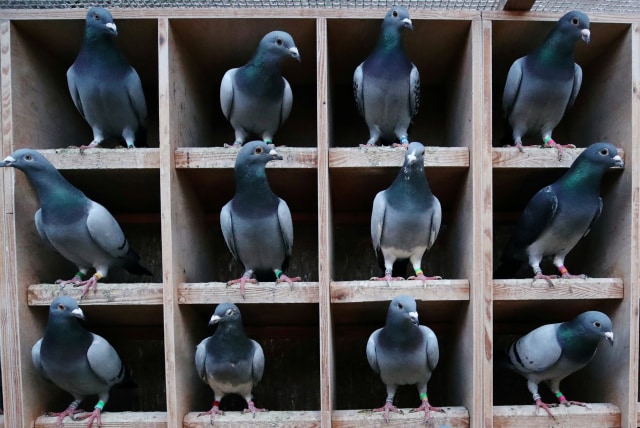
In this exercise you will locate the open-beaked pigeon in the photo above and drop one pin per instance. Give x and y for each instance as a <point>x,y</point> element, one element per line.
<point>81,230</point>
<point>256,223</point>
<point>403,352</point>
<point>554,351</point>
<point>541,86</point>
<point>228,361</point>
<point>406,218</point>
<point>386,85</point>
<point>76,360</point>
<point>106,90</point>
<point>256,98</point>
<point>559,215</point>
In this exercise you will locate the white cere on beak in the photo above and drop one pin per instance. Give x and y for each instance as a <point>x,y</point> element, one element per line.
<point>586,35</point>
<point>414,316</point>
<point>618,160</point>
<point>112,27</point>
<point>78,313</point>
<point>408,22</point>
<point>9,159</point>
<point>273,153</point>
<point>294,51</point>
<point>609,336</point>
<point>411,157</point>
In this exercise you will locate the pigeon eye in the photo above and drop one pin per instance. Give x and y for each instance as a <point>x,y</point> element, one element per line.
<point>604,152</point>
<point>61,307</point>
<point>597,324</point>
<point>575,21</point>
<point>258,150</point>
<point>28,158</point>
<point>395,13</point>
<point>229,312</point>
<point>279,41</point>
<point>400,306</point>
<point>96,17</point>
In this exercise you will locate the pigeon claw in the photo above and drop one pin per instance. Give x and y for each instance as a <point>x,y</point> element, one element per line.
<point>387,278</point>
<point>547,278</point>
<point>70,411</point>
<point>285,278</point>
<point>560,147</point>
<point>568,403</point>
<point>570,276</point>
<point>242,281</point>
<point>213,412</point>
<point>520,147</point>
<point>427,408</point>
<point>92,145</point>
<point>388,407</point>
<point>91,282</point>
<point>93,416</point>
<point>542,405</point>
<point>424,278</point>
<point>253,409</point>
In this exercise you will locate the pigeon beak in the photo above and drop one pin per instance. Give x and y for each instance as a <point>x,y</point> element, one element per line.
<point>407,23</point>
<point>8,161</point>
<point>609,336</point>
<point>275,155</point>
<point>78,313</point>
<point>111,26</point>
<point>618,160</point>
<point>586,35</point>
<point>214,319</point>
<point>295,53</point>
<point>414,317</point>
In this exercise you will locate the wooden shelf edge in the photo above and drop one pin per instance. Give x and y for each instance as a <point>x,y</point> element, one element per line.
<point>267,419</point>
<point>564,289</point>
<point>536,157</point>
<point>121,158</point>
<point>266,292</point>
<point>112,420</point>
<point>452,417</point>
<point>107,294</point>
<point>600,415</point>
<point>371,291</point>
<point>364,157</point>
<point>220,157</point>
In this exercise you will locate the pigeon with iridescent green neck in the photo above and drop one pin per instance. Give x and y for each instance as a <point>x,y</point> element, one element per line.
<point>76,360</point>
<point>256,98</point>
<point>541,86</point>
<point>554,351</point>
<point>105,89</point>
<point>386,85</point>
<point>81,230</point>
<point>404,352</point>
<point>559,215</point>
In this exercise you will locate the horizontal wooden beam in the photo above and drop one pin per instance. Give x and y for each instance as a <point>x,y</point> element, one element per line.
<point>112,420</point>
<point>264,292</point>
<point>564,289</point>
<point>452,417</point>
<point>302,419</point>
<point>220,157</point>
<point>600,415</point>
<point>100,158</point>
<point>365,157</point>
<point>522,5</point>
<point>535,157</point>
<point>106,294</point>
<point>372,291</point>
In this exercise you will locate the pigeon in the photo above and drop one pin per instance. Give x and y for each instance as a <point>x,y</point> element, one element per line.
<point>554,351</point>
<point>256,223</point>
<point>559,215</point>
<point>76,360</point>
<point>403,352</point>
<point>256,98</point>
<point>541,86</point>
<point>81,230</point>
<point>406,218</point>
<point>228,361</point>
<point>105,89</point>
<point>386,85</point>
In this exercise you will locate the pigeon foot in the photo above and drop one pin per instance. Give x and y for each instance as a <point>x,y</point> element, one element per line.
<point>388,407</point>
<point>285,278</point>
<point>424,278</point>
<point>69,411</point>
<point>76,280</point>
<point>560,147</point>
<point>91,145</point>
<point>547,278</point>
<point>93,416</point>
<point>387,278</point>
<point>91,282</point>
<point>242,281</point>
<point>427,408</point>
<point>570,276</point>
<point>253,409</point>
<point>235,145</point>
<point>213,412</point>
<point>542,405</point>
<point>568,403</point>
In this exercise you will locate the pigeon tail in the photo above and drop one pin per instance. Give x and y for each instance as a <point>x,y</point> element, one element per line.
<point>131,265</point>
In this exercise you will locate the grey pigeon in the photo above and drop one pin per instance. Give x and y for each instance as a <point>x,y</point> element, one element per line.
<point>406,217</point>
<point>228,361</point>
<point>386,85</point>
<point>256,98</point>
<point>76,360</point>
<point>554,351</point>
<point>105,89</point>
<point>81,230</point>
<point>559,215</point>
<point>541,86</point>
<point>403,352</point>
<point>256,223</point>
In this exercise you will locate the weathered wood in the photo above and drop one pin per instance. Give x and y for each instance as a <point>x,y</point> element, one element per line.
<point>112,420</point>
<point>452,417</point>
<point>371,291</point>
<point>536,157</point>
<point>364,157</point>
<point>601,415</point>
<point>264,292</point>
<point>99,158</point>
<point>564,289</point>
<point>520,5</point>
<point>107,294</point>
<point>220,157</point>
<point>309,419</point>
